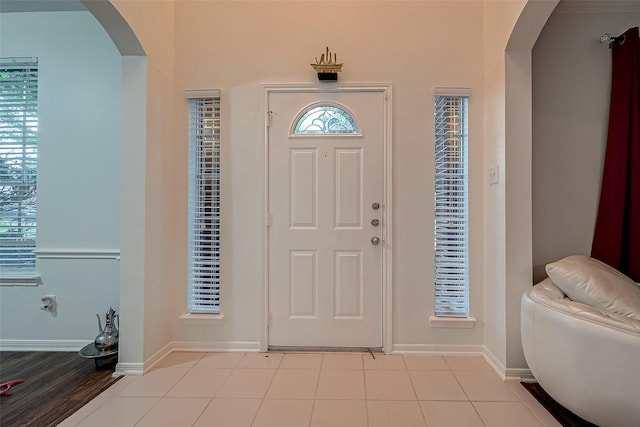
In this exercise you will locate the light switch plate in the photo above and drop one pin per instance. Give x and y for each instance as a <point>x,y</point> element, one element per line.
<point>494,174</point>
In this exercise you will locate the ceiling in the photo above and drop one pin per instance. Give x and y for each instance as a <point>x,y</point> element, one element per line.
<point>597,6</point>
<point>40,6</point>
<point>565,6</point>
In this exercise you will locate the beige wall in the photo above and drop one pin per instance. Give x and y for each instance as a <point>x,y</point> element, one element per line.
<point>511,29</point>
<point>147,293</point>
<point>237,46</point>
<point>498,24</point>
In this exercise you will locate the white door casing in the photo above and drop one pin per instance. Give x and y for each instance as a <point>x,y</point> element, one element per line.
<point>326,281</point>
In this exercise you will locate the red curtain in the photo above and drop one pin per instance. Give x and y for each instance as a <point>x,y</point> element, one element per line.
<point>616,240</point>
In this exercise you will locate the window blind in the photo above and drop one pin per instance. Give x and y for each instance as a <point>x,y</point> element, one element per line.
<point>18,162</point>
<point>451,207</point>
<point>204,205</point>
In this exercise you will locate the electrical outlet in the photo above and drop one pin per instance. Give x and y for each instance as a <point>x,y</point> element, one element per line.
<point>48,303</point>
<point>494,174</point>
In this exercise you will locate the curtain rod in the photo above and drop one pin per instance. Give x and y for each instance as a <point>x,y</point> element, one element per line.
<point>608,38</point>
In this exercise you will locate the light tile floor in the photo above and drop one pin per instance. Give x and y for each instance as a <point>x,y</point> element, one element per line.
<point>314,390</point>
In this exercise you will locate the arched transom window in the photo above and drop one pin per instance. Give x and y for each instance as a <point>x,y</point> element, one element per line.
<point>325,119</point>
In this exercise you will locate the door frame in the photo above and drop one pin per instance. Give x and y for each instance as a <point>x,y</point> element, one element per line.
<point>387,259</point>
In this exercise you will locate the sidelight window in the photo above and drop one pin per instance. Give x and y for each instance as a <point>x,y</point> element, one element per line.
<point>204,202</point>
<point>451,206</point>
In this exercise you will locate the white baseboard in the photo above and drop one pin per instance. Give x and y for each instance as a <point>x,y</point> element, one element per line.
<point>42,345</point>
<point>204,347</point>
<point>129,369</point>
<point>436,349</point>
<point>245,346</point>
<point>520,374</point>
<point>504,373</point>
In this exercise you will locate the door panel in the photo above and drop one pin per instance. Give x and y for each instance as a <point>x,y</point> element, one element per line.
<point>325,275</point>
<point>349,182</point>
<point>303,188</point>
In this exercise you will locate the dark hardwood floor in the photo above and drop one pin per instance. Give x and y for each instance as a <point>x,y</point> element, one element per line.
<point>55,385</point>
<point>559,412</point>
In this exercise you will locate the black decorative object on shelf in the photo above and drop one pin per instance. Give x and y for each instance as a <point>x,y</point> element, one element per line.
<point>327,67</point>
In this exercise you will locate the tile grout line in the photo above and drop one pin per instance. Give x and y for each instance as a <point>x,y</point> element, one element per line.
<point>366,397</point>
<point>315,395</point>
<point>279,368</point>
<point>415,393</point>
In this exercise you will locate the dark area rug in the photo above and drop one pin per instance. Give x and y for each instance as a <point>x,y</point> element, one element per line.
<point>56,384</point>
<point>559,412</point>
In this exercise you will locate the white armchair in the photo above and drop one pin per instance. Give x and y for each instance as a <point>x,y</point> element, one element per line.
<point>585,350</point>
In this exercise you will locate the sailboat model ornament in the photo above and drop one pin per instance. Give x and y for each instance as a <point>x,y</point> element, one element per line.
<point>327,67</point>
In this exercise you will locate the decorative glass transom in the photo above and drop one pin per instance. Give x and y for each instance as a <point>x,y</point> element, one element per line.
<point>326,120</point>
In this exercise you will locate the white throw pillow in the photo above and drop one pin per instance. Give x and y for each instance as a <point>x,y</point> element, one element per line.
<point>592,282</point>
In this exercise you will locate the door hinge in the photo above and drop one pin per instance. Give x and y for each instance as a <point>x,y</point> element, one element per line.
<point>267,118</point>
<point>267,219</point>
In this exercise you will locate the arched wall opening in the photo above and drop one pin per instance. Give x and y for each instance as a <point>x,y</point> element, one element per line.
<point>518,163</point>
<point>92,130</point>
<point>524,256</point>
<point>133,182</point>
<point>508,97</point>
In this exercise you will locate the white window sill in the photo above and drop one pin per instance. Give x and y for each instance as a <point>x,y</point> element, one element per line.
<point>452,322</point>
<point>20,279</point>
<point>201,319</point>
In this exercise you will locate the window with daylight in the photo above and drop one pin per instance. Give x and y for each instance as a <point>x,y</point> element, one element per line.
<point>325,120</point>
<point>451,207</point>
<point>204,202</point>
<point>18,164</point>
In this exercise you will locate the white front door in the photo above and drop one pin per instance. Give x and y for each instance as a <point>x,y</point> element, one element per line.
<point>325,203</point>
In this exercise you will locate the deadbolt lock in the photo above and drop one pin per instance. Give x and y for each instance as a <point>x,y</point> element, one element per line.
<point>375,222</point>
<point>375,206</point>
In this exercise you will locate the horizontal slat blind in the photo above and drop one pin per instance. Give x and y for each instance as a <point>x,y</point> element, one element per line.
<point>18,163</point>
<point>204,205</point>
<point>451,207</point>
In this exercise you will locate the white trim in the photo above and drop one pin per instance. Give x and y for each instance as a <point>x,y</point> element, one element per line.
<point>265,224</point>
<point>452,91</point>
<point>202,93</point>
<point>452,322</point>
<point>201,319</point>
<point>216,346</point>
<point>43,345</point>
<point>200,347</point>
<point>442,349</point>
<point>18,279</point>
<point>519,374</point>
<point>113,254</point>
<point>387,224</point>
<point>154,359</point>
<point>387,270</point>
<point>495,363</point>
<point>129,369</point>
